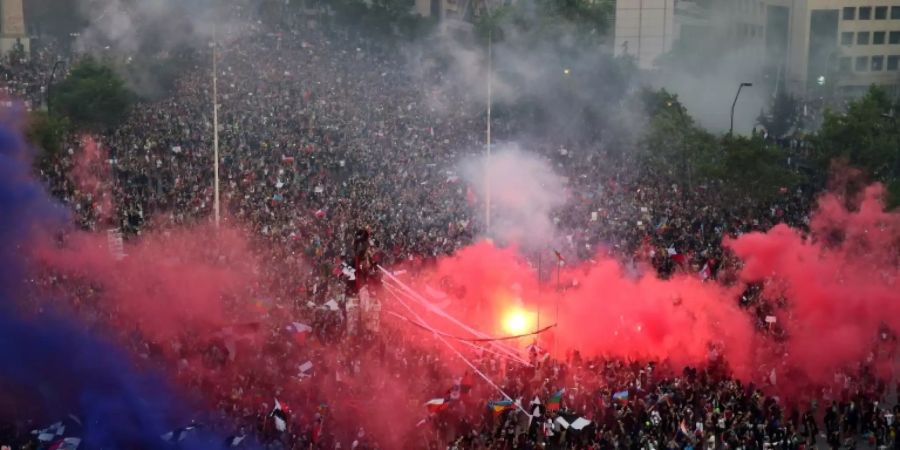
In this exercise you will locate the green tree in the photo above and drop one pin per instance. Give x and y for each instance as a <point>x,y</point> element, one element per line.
<point>47,133</point>
<point>676,148</point>
<point>749,168</point>
<point>93,96</point>
<point>867,136</point>
<point>673,145</point>
<point>383,19</point>
<point>573,23</point>
<point>783,115</point>
<point>489,24</point>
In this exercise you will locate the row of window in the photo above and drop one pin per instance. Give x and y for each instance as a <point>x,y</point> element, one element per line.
<point>867,37</point>
<point>873,64</point>
<point>746,29</point>
<point>865,13</point>
<point>749,6</point>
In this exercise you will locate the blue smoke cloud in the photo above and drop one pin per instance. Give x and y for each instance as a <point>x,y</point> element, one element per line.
<point>60,368</point>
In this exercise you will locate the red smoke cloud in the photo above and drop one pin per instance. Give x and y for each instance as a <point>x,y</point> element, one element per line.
<point>840,282</point>
<point>189,284</point>
<point>602,311</point>
<point>90,173</point>
<point>196,295</point>
<point>168,283</point>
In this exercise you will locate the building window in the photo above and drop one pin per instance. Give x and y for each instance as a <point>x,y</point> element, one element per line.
<point>865,12</point>
<point>850,12</point>
<point>894,37</point>
<point>862,63</point>
<point>847,38</point>
<point>878,37</point>
<point>895,12</point>
<point>880,12</point>
<point>877,63</point>
<point>893,62</point>
<point>862,38</point>
<point>846,64</point>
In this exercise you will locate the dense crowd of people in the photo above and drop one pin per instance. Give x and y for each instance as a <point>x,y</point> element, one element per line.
<point>322,134</point>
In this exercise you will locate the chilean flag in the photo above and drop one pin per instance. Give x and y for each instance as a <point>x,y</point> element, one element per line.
<point>436,405</point>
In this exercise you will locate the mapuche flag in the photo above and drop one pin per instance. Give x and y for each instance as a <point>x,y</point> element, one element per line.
<point>555,401</point>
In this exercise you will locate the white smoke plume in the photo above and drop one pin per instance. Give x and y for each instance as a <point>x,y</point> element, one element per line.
<point>708,94</point>
<point>145,38</point>
<point>524,192</point>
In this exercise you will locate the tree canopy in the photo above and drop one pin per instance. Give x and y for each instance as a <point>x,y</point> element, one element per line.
<point>866,136</point>
<point>382,18</point>
<point>47,133</point>
<point>674,146</point>
<point>93,96</point>
<point>569,22</point>
<point>783,115</point>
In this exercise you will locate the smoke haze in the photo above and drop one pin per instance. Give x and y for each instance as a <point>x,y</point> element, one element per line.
<point>524,191</point>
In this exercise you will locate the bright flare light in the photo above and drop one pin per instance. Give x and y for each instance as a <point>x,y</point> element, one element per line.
<point>518,321</point>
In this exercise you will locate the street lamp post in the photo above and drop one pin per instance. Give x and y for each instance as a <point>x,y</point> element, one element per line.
<point>742,86</point>
<point>50,83</point>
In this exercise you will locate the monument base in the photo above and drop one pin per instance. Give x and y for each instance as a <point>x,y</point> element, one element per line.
<point>7,44</point>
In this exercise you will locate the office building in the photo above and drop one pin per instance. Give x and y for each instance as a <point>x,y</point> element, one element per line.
<point>834,47</point>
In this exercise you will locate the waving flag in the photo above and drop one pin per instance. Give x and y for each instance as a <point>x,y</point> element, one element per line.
<point>555,401</point>
<point>69,443</point>
<point>621,396</point>
<point>705,272</point>
<point>50,433</point>
<point>279,416</point>
<point>499,406</point>
<point>178,434</point>
<point>559,257</point>
<point>462,386</point>
<point>436,405</point>
<point>234,441</point>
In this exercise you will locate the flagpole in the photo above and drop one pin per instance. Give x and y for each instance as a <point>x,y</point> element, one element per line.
<point>558,294</point>
<point>215,100</point>
<point>540,280</point>
<point>487,164</point>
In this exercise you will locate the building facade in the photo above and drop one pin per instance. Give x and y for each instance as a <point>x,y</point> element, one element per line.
<point>835,47</point>
<point>644,29</point>
<point>812,48</point>
<point>12,26</point>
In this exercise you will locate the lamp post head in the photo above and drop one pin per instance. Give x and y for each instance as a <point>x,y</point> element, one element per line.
<point>746,84</point>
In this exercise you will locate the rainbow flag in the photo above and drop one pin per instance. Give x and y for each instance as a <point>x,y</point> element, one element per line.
<point>499,406</point>
<point>555,401</point>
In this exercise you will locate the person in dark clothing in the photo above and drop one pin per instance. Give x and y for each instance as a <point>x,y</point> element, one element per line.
<point>810,428</point>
